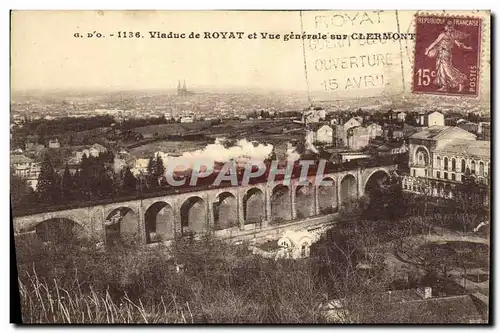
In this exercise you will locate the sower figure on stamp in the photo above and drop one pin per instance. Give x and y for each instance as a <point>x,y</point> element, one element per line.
<point>447,76</point>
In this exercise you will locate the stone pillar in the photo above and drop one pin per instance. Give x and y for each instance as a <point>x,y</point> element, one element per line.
<point>176,206</point>
<point>95,216</point>
<point>141,230</point>
<point>210,213</point>
<point>359,183</point>
<point>101,222</point>
<point>339,190</point>
<point>240,207</point>
<point>293,187</point>
<point>316,200</point>
<point>337,196</point>
<point>267,203</point>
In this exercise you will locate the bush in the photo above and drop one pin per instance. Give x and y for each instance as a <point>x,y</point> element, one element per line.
<point>196,280</point>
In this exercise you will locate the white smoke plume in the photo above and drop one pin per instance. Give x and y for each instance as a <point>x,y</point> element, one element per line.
<point>292,155</point>
<point>241,152</point>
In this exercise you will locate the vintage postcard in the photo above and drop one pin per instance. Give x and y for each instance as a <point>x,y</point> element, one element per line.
<point>251,166</point>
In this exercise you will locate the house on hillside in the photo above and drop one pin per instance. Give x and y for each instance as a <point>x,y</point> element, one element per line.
<point>401,116</point>
<point>187,119</point>
<point>54,143</point>
<point>322,133</point>
<point>358,137</point>
<point>25,168</point>
<point>374,130</point>
<point>97,149</point>
<point>434,118</point>
<point>340,131</point>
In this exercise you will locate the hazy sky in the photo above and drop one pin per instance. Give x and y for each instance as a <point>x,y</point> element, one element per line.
<point>46,55</point>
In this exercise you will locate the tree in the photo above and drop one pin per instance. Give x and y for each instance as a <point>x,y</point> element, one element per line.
<point>151,166</point>
<point>84,176</point>
<point>42,131</point>
<point>349,259</point>
<point>425,192</point>
<point>469,199</point>
<point>46,187</point>
<point>150,180</point>
<point>159,167</point>
<point>390,133</point>
<point>411,118</point>
<point>110,157</point>
<point>67,184</point>
<point>386,199</point>
<point>353,208</point>
<point>101,182</point>
<point>471,256</point>
<point>129,181</point>
<point>106,186</point>
<point>21,193</point>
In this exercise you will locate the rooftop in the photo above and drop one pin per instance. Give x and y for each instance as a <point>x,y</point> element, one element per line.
<point>477,148</point>
<point>437,132</point>
<point>317,126</point>
<point>20,159</point>
<point>430,133</point>
<point>98,147</point>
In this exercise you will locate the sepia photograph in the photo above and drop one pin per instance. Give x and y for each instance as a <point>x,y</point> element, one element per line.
<point>250,167</point>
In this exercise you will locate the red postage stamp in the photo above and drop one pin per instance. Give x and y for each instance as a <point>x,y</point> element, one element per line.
<point>447,53</point>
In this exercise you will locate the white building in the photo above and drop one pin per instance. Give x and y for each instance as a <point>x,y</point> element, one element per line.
<point>341,130</point>
<point>353,122</point>
<point>435,118</point>
<point>401,116</point>
<point>79,155</point>
<point>374,130</point>
<point>442,155</point>
<point>324,134</point>
<point>25,168</point>
<point>141,166</point>
<point>187,119</point>
<point>119,164</point>
<point>349,156</point>
<point>358,137</point>
<point>97,149</point>
<point>54,143</point>
<point>313,116</point>
<point>295,244</point>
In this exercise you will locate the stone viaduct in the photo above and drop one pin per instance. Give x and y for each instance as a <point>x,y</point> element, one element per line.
<point>239,208</point>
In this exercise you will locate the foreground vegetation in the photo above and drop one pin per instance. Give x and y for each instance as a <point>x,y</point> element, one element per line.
<point>216,282</point>
<point>211,281</point>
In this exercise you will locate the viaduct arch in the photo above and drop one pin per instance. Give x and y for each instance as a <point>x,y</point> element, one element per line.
<point>164,218</point>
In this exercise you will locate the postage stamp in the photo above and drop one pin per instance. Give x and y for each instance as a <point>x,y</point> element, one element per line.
<point>447,53</point>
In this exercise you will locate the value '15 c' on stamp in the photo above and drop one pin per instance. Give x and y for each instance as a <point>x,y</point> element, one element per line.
<point>447,53</point>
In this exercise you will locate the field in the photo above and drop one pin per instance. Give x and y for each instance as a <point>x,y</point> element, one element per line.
<point>147,150</point>
<point>258,130</point>
<point>173,129</point>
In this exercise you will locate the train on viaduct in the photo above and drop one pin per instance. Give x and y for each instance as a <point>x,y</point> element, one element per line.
<point>227,210</point>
